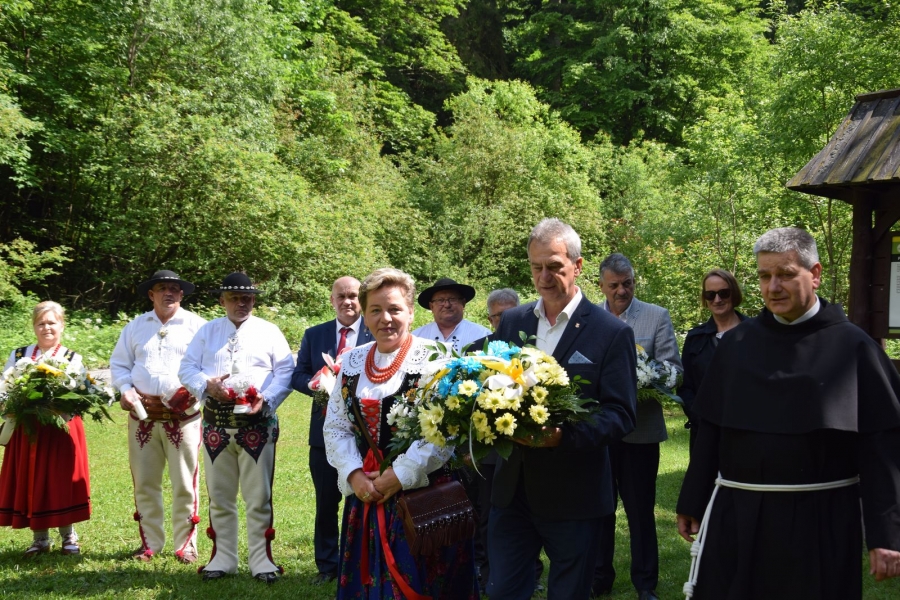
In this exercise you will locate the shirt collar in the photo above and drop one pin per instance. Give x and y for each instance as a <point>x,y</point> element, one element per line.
<point>177,317</point>
<point>568,311</point>
<point>804,317</point>
<point>354,326</point>
<point>625,313</point>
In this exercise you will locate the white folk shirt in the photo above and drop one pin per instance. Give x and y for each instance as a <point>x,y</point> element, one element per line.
<point>548,335</point>
<point>463,334</point>
<point>148,353</point>
<point>258,351</point>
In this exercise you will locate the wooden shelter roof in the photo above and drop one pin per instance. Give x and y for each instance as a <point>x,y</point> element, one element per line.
<point>864,152</point>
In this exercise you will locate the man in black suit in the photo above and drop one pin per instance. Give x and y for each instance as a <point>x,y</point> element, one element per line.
<point>331,337</point>
<point>554,490</point>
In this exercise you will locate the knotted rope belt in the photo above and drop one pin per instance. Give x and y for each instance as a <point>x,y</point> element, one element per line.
<point>697,546</point>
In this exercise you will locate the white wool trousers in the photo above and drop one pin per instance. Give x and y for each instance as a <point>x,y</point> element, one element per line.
<point>240,458</point>
<point>153,445</point>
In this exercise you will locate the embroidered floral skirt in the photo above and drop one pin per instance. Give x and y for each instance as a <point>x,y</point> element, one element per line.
<point>45,481</point>
<point>450,575</point>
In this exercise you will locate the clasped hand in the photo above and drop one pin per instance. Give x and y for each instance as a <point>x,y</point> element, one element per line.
<point>372,486</point>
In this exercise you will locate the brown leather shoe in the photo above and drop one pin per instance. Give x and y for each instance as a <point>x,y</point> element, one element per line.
<point>188,557</point>
<point>143,555</point>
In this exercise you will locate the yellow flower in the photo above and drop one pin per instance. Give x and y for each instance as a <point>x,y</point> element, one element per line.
<point>453,402</point>
<point>506,424</point>
<point>468,388</point>
<point>479,419</point>
<point>452,429</point>
<point>513,403</point>
<point>539,413</point>
<point>435,437</point>
<point>539,393</point>
<point>47,369</point>
<point>486,436</point>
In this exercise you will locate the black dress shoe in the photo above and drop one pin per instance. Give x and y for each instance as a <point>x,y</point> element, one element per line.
<point>648,595</point>
<point>597,592</point>
<point>267,578</point>
<point>323,578</point>
<point>210,575</point>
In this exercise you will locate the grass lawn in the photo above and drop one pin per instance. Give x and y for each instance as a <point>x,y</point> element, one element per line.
<point>105,571</point>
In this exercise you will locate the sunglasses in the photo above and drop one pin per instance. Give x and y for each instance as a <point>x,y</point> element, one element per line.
<point>710,295</point>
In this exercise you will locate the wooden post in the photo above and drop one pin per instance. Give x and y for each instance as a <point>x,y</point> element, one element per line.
<point>861,263</point>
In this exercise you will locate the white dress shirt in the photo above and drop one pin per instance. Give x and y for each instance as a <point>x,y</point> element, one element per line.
<point>548,335</point>
<point>352,335</point>
<point>257,349</point>
<point>148,353</point>
<point>463,334</point>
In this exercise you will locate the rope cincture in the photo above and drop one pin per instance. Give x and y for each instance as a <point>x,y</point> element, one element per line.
<point>698,544</point>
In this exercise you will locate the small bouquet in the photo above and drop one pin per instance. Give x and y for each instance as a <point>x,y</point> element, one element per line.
<point>179,400</point>
<point>47,391</point>
<point>486,399</point>
<point>656,380</point>
<point>322,383</point>
<point>242,391</point>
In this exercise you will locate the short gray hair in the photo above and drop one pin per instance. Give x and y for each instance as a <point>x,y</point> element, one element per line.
<point>551,229</point>
<point>618,264</point>
<point>503,296</point>
<point>785,239</point>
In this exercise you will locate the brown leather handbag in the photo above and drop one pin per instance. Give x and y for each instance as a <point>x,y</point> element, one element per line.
<point>433,517</point>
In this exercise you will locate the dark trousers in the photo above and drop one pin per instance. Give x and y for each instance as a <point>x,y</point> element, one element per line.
<point>483,506</point>
<point>515,538</point>
<point>326,543</point>
<point>634,469</point>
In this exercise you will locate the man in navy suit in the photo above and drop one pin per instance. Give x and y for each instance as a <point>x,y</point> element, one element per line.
<point>554,491</point>
<point>331,337</point>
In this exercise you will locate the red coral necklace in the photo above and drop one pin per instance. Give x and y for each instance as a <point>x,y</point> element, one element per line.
<point>36,348</point>
<point>379,375</point>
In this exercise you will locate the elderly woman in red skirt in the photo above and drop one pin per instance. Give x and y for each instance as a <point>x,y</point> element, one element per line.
<point>44,480</point>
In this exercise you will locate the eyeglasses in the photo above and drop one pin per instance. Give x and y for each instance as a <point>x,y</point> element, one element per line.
<point>710,295</point>
<point>447,301</point>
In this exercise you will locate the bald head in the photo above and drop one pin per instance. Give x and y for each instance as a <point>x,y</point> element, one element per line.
<point>345,300</point>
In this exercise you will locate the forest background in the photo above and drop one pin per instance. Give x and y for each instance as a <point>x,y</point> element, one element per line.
<point>300,140</point>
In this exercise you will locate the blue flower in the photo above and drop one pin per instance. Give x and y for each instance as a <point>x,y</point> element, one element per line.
<point>444,385</point>
<point>470,365</point>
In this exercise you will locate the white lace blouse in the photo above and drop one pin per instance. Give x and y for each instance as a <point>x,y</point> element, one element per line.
<point>413,466</point>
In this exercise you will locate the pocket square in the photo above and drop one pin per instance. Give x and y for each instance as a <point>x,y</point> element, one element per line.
<point>579,359</point>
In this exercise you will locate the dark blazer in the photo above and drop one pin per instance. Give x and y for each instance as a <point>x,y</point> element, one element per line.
<point>316,340</point>
<point>696,356</point>
<point>572,481</point>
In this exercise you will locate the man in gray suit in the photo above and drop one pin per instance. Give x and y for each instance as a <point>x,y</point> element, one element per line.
<point>635,459</point>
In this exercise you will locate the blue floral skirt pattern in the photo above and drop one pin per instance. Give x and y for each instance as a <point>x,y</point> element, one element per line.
<point>449,575</point>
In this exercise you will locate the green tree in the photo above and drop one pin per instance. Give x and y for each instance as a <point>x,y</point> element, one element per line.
<point>506,162</point>
<point>633,68</point>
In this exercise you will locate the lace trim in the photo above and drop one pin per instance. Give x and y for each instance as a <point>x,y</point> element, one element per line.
<point>354,362</point>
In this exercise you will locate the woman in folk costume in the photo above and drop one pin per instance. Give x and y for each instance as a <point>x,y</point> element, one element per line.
<point>44,480</point>
<point>375,559</point>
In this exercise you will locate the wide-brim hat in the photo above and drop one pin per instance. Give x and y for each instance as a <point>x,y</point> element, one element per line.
<point>236,282</point>
<point>165,276</point>
<point>445,283</point>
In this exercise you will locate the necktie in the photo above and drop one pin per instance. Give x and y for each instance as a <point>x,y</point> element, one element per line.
<point>343,341</point>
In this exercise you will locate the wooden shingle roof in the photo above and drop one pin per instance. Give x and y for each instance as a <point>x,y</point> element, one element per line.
<point>863,152</point>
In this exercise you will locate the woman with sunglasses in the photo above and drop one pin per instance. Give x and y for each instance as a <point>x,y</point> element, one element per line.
<point>721,294</point>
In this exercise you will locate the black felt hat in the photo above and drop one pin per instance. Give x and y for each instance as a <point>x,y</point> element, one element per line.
<point>165,276</point>
<point>236,282</point>
<point>445,283</point>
